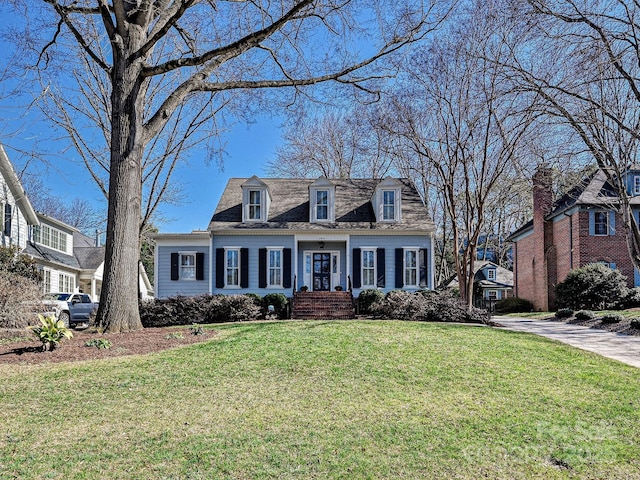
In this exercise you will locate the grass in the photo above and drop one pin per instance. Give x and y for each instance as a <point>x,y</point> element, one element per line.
<point>352,399</point>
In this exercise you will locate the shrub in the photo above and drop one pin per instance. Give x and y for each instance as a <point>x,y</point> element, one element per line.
<point>240,308</point>
<point>100,343</point>
<point>11,260</point>
<point>635,323</point>
<point>612,318</point>
<point>585,315</point>
<point>51,332</point>
<point>564,313</point>
<point>594,287</point>
<point>20,300</point>
<point>632,299</point>
<point>367,299</point>
<point>513,305</point>
<point>428,306</point>
<point>279,302</point>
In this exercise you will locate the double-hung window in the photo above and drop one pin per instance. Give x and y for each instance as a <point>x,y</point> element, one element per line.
<point>601,223</point>
<point>187,266</point>
<point>491,274</point>
<point>66,283</point>
<point>254,205</point>
<point>322,205</point>
<point>232,267</point>
<point>636,185</point>
<point>274,267</point>
<point>411,256</point>
<point>388,205</point>
<point>369,268</point>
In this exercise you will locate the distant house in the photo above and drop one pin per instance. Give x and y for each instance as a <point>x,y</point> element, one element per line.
<point>491,283</point>
<point>276,235</point>
<point>68,260</point>
<point>579,228</point>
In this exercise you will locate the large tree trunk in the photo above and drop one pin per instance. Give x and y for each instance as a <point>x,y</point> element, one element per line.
<point>118,311</point>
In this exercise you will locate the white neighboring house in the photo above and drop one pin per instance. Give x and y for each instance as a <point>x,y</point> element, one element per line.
<point>68,260</point>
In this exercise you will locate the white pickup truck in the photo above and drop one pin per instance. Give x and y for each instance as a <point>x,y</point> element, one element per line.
<point>74,309</point>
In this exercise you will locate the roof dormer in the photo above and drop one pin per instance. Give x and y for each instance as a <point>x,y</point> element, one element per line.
<point>387,201</point>
<point>322,199</point>
<point>256,200</point>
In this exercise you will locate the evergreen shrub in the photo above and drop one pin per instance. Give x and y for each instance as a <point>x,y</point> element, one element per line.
<point>513,305</point>
<point>593,287</point>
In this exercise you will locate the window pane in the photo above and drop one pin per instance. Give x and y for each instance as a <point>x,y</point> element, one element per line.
<point>322,213</point>
<point>601,223</point>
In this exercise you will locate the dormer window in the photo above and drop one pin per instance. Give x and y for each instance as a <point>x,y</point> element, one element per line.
<point>388,204</point>
<point>322,205</point>
<point>636,185</point>
<point>254,205</point>
<point>322,195</point>
<point>491,274</point>
<point>255,200</point>
<point>386,201</point>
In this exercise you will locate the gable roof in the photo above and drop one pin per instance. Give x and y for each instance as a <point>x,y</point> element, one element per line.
<point>290,207</point>
<point>20,196</point>
<point>504,277</point>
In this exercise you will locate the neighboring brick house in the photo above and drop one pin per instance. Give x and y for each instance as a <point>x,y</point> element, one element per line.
<point>275,235</point>
<point>578,229</point>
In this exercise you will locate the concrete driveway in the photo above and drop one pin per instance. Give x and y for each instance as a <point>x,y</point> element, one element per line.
<point>624,348</point>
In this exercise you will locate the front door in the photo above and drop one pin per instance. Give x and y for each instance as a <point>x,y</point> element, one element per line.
<point>321,271</point>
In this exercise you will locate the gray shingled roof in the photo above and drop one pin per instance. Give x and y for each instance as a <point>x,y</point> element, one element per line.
<point>290,207</point>
<point>89,258</point>
<point>48,254</point>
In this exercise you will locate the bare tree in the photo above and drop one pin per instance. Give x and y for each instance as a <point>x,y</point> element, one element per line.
<point>164,60</point>
<point>579,62</point>
<point>333,144</point>
<point>463,128</point>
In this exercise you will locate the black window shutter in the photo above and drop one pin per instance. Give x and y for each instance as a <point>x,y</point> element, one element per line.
<point>286,267</point>
<point>219,267</point>
<point>199,266</point>
<point>7,220</point>
<point>262,268</point>
<point>357,265</point>
<point>380,281</point>
<point>175,275</point>
<point>244,268</point>
<point>399,268</point>
<point>423,267</point>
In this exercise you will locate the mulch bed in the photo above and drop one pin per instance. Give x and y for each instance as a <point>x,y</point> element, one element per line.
<point>623,326</point>
<point>140,342</point>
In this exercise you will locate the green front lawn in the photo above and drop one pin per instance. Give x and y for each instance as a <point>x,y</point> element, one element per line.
<point>333,399</point>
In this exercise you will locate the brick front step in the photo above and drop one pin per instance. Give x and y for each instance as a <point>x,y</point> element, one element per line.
<point>323,305</point>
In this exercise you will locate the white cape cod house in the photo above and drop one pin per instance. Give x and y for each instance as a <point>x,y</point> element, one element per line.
<point>281,234</point>
<point>68,260</point>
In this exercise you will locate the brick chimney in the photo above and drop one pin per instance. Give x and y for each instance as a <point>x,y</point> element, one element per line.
<point>544,262</point>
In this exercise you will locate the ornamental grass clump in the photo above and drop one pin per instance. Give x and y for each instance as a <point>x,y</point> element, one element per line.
<point>51,332</point>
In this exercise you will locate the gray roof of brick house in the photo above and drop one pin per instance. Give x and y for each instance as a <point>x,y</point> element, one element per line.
<point>290,207</point>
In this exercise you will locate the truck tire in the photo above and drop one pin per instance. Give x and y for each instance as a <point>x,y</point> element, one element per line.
<point>64,316</point>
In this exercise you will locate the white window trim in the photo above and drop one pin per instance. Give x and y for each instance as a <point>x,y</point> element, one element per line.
<point>181,266</point>
<point>281,268</point>
<point>404,266</point>
<point>491,274</point>
<point>66,278</point>
<point>331,214</point>
<point>636,185</point>
<point>489,292</point>
<point>606,216</point>
<point>259,205</point>
<point>397,209</point>
<point>246,205</point>
<point>51,232</point>
<point>239,267</point>
<point>375,267</point>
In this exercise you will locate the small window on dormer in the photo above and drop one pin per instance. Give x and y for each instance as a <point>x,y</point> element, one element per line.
<point>254,205</point>
<point>322,205</point>
<point>388,205</point>
<point>491,274</point>
<point>636,185</point>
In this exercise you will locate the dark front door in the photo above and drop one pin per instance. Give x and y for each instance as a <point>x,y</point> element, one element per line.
<point>321,271</point>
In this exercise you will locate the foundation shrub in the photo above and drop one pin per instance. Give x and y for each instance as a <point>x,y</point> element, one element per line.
<point>585,315</point>
<point>564,313</point>
<point>513,305</point>
<point>612,318</point>
<point>367,299</point>
<point>593,287</point>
